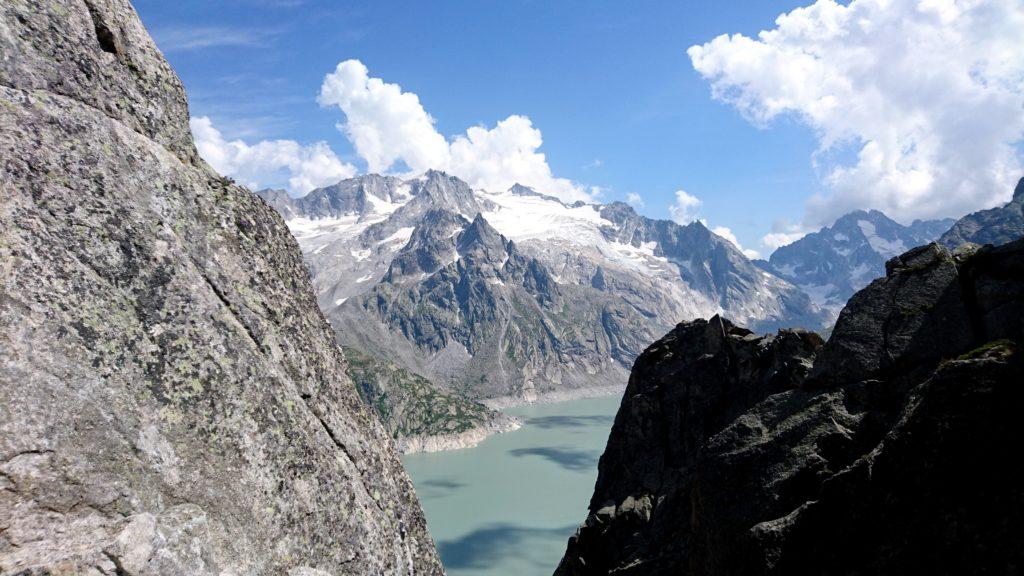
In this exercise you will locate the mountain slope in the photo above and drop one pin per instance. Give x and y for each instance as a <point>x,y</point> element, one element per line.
<point>838,260</point>
<point>881,452</point>
<point>171,399</point>
<point>715,268</point>
<point>419,416</point>
<point>554,299</point>
<point>461,305</point>
<point>994,226</point>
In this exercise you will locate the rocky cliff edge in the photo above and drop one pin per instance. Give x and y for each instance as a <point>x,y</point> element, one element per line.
<point>171,399</point>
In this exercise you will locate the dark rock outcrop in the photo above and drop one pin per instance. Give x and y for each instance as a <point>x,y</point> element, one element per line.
<point>885,451</point>
<point>993,226</point>
<point>171,399</point>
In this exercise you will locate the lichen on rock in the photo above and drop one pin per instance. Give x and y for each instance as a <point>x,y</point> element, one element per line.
<point>171,399</point>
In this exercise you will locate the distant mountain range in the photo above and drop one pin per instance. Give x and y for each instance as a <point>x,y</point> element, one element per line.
<point>833,263</point>
<point>512,296</point>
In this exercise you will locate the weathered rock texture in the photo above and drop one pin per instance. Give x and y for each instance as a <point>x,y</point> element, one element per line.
<point>488,321</point>
<point>889,450</point>
<point>171,399</point>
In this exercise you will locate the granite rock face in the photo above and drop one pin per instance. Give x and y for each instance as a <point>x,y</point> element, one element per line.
<point>171,399</point>
<point>885,451</point>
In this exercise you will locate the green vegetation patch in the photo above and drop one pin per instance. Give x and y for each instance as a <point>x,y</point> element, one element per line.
<point>999,348</point>
<point>408,404</point>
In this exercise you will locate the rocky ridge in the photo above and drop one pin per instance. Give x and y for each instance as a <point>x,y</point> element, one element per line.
<point>882,451</point>
<point>171,399</point>
<point>994,226</point>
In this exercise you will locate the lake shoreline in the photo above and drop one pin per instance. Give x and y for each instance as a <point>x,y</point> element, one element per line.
<point>504,424</point>
<point>460,440</point>
<point>554,396</point>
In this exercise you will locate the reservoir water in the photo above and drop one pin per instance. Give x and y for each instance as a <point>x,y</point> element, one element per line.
<point>507,506</point>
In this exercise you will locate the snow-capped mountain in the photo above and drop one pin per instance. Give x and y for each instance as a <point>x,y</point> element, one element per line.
<point>994,226</point>
<point>515,293</point>
<point>833,263</point>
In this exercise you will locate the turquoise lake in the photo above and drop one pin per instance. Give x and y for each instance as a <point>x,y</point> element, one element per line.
<point>507,506</point>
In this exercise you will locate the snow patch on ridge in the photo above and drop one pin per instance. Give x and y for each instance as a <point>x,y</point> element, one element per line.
<point>878,244</point>
<point>401,236</point>
<point>521,218</point>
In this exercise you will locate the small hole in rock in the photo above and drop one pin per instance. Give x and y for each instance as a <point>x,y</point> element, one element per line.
<point>106,38</point>
<point>103,33</point>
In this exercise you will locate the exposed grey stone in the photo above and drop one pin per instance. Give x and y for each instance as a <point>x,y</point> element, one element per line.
<point>171,399</point>
<point>461,305</point>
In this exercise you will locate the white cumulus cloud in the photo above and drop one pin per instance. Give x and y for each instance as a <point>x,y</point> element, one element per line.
<point>389,127</point>
<point>773,240</point>
<point>383,123</point>
<point>269,161</point>
<point>497,158</point>
<point>635,199</point>
<point>685,208</point>
<point>727,233</point>
<point>928,93</point>
<point>784,232</point>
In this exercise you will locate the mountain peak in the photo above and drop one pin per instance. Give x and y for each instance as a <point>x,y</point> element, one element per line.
<point>521,190</point>
<point>834,262</point>
<point>993,226</point>
<point>871,215</point>
<point>437,180</point>
<point>618,212</point>
<point>480,232</point>
<point>698,225</point>
<point>433,174</point>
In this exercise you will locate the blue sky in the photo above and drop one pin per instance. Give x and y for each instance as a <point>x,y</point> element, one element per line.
<point>610,85</point>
